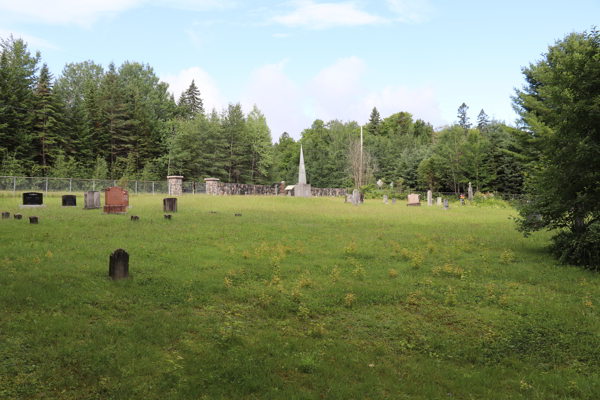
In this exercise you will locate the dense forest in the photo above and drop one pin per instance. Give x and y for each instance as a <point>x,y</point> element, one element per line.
<point>122,122</point>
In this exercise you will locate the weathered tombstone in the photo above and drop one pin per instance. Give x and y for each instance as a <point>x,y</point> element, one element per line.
<point>414,200</point>
<point>439,201</point>
<point>116,200</point>
<point>118,264</point>
<point>5,215</point>
<point>446,204</point>
<point>91,200</point>
<point>135,218</point>
<point>355,197</point>
<point>238,215</point>
<point>213,212</point>
<point>32,199</point>
<point>168,216</point>
<point>393,200</point>
<point>462,202</point>
<point>18,216</point>
<point>362,198</point>
<point>170,204</point>
<point>33,219</point>
<point>385,198</point>
<point>470,192</point>
<point>69,200</point>
<point>429,198</point>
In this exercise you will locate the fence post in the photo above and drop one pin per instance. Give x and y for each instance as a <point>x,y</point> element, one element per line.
<point>46,186</point>
<point>135,187</point>
<point>152,188</point>
<point>93,185</point>
<point>14,186</point>
<point>115,183</point>
<point>70,184</point>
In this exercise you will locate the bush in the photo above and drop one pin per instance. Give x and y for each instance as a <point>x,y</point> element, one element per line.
<point>579,248</point>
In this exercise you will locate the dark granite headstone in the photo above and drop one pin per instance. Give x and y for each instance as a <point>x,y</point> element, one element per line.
<point>33,199</point>
<point>5,215</point>
<point>168,216</point>
<point>18,216</point>
<point>118,264</point>
<point>362,198</point>
<point>170,204</point>
<point>69,200</point>
<point>33,219</point>
<point>135,218</point>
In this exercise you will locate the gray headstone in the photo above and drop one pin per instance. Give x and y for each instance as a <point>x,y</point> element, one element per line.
<point>439,201</point>
<point>429,198</point>
<point>462,202</point>
<point>118,264</point>
<point>355,197</point>
<point>470,192</point>
<point>393,200</point>
<point>385,199</point>
<point>170,204</point>
<point>91,200</point>
<point>446,204</point>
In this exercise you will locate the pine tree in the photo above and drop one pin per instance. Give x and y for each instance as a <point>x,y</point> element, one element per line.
<point>374,122</point>
<point>483,122</point>
<point>463,120</point>
<point>46,116</point>
<point>193,99</point>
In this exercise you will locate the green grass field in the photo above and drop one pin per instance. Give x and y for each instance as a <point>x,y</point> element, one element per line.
<point>296,299</point>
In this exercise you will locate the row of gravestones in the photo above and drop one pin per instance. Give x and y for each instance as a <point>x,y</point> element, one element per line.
<point>116,200</point>
<point>32,220</point>
<point>357,198</point>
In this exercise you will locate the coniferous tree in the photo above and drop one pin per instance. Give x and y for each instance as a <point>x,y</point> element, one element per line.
<point>194,101</point>
<point>46,115</point>
<point>238,145</point>
<point>463,120</point>
<point>374,121</point>
<point>483,122</point>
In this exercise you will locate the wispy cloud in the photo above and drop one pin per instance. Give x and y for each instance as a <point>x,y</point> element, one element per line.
<point>32,41</point>
<point>312,15</point>
<point>86,12</point>
<point>412,11</point>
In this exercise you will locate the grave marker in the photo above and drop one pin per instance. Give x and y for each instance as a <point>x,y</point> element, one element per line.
<point>118,265</point>
<point>91,200</point>
<point>18,216</point>
<point>393,200</point>
<point>69,200</point>
<point>462,202</point>
<point>33,219</point>
<point>470,192</point>
<point>429,198</point>
<point>355,197</point>
<point>5,215</point>
<point>170,204</point>
<point>414,200</point>
<point>116,200</point>
<point>135,218</point>
<point>446,204</point>
<point>362,198</point>
<point>168,216</point>
<point>385,199</point>
<point>33,199</point>
<point>439,201</point>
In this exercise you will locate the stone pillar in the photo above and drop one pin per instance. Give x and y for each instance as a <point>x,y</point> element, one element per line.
<point>175,185</point>
<point>355,197</point>
<point>429,198</point>
<point>118,264</point>
<point>470,192</point>
<point>170,204</point>
<point>212,186</point>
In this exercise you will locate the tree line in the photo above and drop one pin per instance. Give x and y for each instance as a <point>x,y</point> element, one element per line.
<point>122,122</point>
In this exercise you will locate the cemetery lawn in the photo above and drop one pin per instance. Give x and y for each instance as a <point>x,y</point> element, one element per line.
<point>296,299</point>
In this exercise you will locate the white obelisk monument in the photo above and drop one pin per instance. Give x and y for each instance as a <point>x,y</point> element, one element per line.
<point>302,189</point>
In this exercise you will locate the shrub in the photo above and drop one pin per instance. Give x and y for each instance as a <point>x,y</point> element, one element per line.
<point>578,248</point>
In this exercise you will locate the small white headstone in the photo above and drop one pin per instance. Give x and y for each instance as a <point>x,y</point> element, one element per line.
<point>385,199</point>
<point>429,198</point>
<point>439,201</point>
<point>355,197</point>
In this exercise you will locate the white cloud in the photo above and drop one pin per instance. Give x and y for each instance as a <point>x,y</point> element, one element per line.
<point>309,14</point>
<point>335,92</point>
<point>86,12</point>
<point>211,97</point>
<point>31,41</point>
<point>279,99</point>
<point>413,11</point>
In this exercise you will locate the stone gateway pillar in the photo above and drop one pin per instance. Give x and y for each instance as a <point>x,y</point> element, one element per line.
<point>175,185</point>
<point>212,186</point>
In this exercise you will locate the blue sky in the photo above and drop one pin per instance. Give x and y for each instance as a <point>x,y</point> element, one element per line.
<point>307,59</point>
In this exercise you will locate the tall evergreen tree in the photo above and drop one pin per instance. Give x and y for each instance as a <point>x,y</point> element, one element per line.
<point>261,145</point>
<point>374,121</point>
<point>194,101</point>
<point>463,120</point>
<point>46,115</point>
<point>238,144</point>
<point>483,122</point>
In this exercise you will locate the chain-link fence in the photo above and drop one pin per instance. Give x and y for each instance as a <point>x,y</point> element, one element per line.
<point>19,184</point>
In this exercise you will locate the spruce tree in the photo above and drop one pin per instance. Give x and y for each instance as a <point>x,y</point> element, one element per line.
<point>463,120</point>
<point>374,121</point>
<point>483,122</point>
<point>190,104</point>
